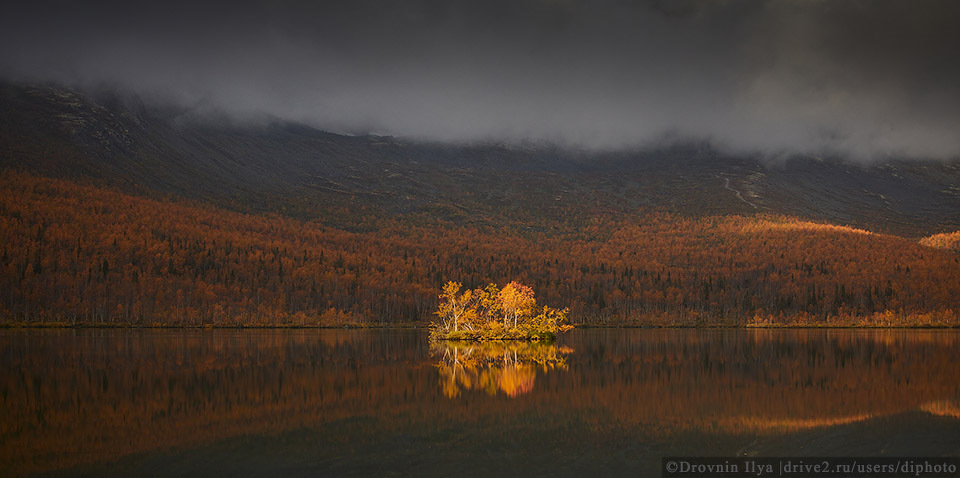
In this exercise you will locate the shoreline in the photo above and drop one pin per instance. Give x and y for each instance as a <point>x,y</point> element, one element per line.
<point>425,326</point>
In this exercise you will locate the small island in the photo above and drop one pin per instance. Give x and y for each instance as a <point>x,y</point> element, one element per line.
<point>492,313</point>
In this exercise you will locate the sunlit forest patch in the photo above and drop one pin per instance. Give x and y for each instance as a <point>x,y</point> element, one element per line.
<point>948,240</point>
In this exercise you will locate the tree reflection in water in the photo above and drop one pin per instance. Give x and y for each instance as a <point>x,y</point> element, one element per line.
<point>495,366</point>
<point>103,402</point>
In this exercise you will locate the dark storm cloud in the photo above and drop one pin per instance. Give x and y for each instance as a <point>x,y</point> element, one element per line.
<point>865,78</point>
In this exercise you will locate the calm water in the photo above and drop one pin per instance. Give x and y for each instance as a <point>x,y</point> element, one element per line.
<point>384,402</point>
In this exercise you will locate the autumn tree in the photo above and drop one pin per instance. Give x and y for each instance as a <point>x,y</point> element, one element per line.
<point>515,301</point>
<point>457,309</point>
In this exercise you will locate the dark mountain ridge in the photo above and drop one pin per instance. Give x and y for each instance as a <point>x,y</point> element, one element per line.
<point>267,165</point>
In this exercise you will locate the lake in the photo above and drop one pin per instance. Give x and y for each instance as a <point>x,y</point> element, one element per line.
<point>100,402</point>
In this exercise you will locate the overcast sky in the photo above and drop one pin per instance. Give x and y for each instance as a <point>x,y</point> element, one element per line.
<point>868,79</point>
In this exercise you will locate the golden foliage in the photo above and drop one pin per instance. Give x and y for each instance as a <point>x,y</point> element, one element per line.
<point>494,313</point>
<point>949,241</point>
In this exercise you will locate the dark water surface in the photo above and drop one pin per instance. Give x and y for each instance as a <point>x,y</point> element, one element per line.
<point>386,403</point>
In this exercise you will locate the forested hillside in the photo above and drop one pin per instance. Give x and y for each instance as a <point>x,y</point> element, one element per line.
<point>84,254</point>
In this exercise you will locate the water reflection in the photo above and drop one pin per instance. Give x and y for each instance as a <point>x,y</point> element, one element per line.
<point>107,402</point>
<point>495,366</point>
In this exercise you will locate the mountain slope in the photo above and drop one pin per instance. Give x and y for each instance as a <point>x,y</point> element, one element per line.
<point>265,165</point>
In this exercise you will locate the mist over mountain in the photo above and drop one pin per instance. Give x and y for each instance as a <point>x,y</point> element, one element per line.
<point>114,138</point>
<point>867,80</point>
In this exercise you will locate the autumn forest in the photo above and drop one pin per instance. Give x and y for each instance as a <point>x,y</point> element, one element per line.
<point>76,253</point>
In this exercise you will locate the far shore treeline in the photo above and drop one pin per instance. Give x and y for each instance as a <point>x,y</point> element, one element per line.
<point>74,253</point>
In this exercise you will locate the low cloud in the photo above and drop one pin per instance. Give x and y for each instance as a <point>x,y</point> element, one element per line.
<point>864,79</point>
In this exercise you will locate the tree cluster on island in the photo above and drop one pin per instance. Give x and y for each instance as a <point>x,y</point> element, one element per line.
<point>492,313</point>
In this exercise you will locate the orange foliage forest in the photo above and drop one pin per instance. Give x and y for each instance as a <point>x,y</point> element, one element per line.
<point>81,254</point>
<point>947,240</point>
